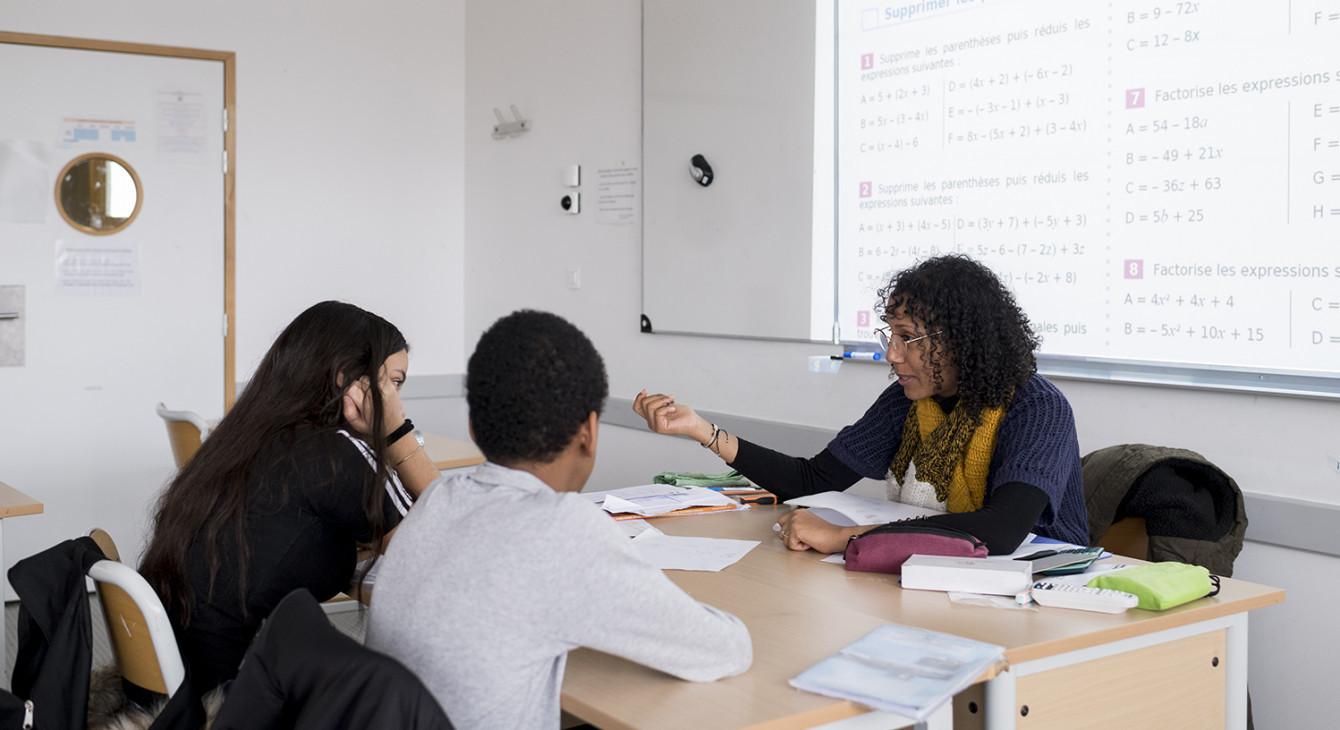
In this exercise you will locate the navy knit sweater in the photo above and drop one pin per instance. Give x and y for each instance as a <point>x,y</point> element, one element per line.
<point>1036,445</point>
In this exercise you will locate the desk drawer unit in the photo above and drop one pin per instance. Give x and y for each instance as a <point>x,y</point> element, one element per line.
<point>1182,683</point>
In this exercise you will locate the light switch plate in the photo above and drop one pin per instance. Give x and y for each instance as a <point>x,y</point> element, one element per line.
<point>12,327</point>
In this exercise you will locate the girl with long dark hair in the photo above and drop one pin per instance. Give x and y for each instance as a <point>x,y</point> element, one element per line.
<point>313,460</point>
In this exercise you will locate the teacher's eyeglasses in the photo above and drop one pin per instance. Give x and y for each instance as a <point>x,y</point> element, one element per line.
<point>899,343</point>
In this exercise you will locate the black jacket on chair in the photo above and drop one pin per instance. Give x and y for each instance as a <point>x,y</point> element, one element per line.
<point>303,674</point>
<point>56,642</point>
<point>55,639</point>
<point>1193,511</point>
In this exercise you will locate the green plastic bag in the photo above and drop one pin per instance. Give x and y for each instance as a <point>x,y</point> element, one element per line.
<point>1160,585</point>
<point>730,478</point>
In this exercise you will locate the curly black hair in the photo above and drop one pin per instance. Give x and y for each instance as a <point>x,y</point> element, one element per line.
<point>985,333</point>
<point>531,382</point>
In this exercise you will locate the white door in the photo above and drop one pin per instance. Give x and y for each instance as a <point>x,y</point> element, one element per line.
<point>109,325</point>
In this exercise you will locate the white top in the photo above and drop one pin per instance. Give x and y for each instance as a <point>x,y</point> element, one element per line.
<point>913,491</point>
<point>493,577</point>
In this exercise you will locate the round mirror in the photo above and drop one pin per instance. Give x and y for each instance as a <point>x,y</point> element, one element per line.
<point>98,193</point>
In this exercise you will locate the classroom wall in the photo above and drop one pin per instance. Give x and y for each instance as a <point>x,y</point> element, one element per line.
<point>349,164</point>
<point>369,106</point>
<point>574,70</point>
<point>349,161</point>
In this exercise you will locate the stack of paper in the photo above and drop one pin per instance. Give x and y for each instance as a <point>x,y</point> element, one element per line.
<point>657,500</point>
<point>901,669</point>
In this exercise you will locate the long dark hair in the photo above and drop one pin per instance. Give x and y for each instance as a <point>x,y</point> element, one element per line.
<point>300,381</point>
<point>986,334</point>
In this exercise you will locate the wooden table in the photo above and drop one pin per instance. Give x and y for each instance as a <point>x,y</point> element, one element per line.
<point>13,503</point>
<point>449,453</point>
<point>1184,667</point>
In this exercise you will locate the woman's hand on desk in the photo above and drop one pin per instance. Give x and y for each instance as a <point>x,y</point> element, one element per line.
<point>664,415</point>
<point>801,530</point>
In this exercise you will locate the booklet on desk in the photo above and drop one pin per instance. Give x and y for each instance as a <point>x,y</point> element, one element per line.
<point>847,510</point>
<point>901,669</point>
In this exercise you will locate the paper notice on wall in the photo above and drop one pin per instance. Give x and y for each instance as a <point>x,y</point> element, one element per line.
<point>97,268</point>
<point>617,198</point>
<point>25,183</point>
<point>100,134</point>
<point>179,115</point>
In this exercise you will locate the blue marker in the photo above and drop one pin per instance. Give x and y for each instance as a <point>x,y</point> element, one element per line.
<point>858,356</point>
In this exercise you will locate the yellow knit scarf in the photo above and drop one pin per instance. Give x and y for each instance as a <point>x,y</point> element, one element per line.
<point>950,454</point>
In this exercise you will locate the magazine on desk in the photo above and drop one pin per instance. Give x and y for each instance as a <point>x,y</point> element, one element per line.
<point>847,510</point>
<point>901,669</point>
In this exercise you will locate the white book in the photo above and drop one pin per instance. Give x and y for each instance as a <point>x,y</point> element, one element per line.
<point>901,669</point>
<point>847,510</point>
<point>968,575</point>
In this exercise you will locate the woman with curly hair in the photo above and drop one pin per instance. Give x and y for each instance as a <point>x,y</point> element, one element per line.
<point>968,428</point>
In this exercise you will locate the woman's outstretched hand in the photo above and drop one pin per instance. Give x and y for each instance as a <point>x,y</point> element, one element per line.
<point>664,415</point>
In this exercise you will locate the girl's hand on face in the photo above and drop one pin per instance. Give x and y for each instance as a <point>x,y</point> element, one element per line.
<point>358,407</point>
<point>358,399</point>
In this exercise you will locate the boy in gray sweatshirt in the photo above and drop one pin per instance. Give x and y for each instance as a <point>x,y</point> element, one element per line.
<point>494,576</point>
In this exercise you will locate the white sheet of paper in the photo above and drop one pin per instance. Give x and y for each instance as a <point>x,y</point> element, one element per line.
<point>846,509</point>
<point>671,552</point>
<point>653,499</point>
<point>1025,548</point>
<point>637,528</point>
<point>614,504</point>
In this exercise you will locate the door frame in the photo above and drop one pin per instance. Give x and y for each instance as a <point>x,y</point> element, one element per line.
<point>229,60</point>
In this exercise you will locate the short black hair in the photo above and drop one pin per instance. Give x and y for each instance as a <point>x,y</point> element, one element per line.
<point>985,332</point>
<point>531,382</point>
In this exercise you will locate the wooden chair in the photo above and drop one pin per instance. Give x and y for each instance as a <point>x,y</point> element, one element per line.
<point>137,624</point>
<point>1127,537</point>
<point>186,431</point>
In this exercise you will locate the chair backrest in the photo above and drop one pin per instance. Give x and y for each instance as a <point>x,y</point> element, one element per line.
<point>105,543</point>
<point>186,431</point>
<point>137,624</point>
<point>1127,536</point>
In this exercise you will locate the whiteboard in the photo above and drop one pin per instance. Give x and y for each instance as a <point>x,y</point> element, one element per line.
<point>734,82</point>
<point>1159,186</point>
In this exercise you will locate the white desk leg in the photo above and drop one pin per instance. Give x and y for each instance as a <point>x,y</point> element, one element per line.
<point>4,623</point>
<point>1235,691</point>
<point>1000,701</point>
<point>941,719</point>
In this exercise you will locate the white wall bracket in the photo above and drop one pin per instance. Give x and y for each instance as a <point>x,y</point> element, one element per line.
<point>505,128</point>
